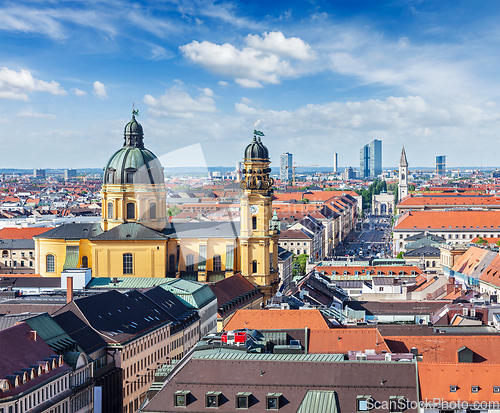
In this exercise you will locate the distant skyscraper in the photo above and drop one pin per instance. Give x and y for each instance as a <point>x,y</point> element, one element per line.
<point>364,162</point>
<point>370,160</point>
<point>440,165</point>
<point>335,163</point>
<point>375,158</point>
<point>285,167</point>
<point>69,173</point>
<point>39,173</point>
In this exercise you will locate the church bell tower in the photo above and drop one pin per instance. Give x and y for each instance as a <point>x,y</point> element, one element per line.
<point>259,231</point>
<point>403,176</point>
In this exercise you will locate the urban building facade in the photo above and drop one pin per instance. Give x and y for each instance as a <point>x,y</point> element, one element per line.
<point>370,162</point>
<point>440,165</point>
<point>286,165</point>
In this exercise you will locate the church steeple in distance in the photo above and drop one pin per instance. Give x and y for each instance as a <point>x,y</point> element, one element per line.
<point>403,176</point>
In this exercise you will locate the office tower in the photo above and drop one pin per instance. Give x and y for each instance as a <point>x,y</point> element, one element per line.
<point>285,167</point>
<point>440,165</point>
<point>69,174</point>
<point>39,173</point>
<point>370,160</point>
<point>364,162</point>
<point>375,158</point>
<point>335,163</point>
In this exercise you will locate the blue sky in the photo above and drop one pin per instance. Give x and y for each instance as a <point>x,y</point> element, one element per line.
<point>318,77</point>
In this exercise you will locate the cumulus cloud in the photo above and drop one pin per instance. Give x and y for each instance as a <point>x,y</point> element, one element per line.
<point>222,83</point>
<point>177,103</point>
<point>78,92</point>
<point>15,85</point>
<point>261,62</point>
<point>276,43</point>
<point>100,90</point>
<point>35,115</point>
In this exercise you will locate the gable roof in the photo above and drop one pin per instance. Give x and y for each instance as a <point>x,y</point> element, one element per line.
<point>342,340</point>
<point>22,233</point>
<point>130,231</point>
<point>449,220</point>
<point>72,231</point>
<point>278,320</point>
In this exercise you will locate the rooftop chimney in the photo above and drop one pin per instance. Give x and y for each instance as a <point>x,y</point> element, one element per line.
<point>69,289</point>
<point>33,335</point>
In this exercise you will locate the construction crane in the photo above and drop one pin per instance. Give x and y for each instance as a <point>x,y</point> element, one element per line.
<point>298,166</point>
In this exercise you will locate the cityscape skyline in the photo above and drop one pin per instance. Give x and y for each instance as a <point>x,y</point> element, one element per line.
<point>329,75</point>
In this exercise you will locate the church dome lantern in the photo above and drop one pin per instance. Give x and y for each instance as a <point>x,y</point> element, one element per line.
<point>133,163</point>
<point>256,149</point>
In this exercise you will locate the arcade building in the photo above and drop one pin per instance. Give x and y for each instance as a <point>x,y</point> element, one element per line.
<point>135,238</point>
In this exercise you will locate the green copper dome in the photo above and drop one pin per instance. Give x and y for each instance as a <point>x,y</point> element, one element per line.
<point>133,164</point>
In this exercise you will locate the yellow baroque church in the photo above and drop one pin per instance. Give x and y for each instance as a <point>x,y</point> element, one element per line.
<point>135,239</point>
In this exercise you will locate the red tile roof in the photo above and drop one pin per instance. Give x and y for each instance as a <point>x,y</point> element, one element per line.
<point>22,233</point>
<point>342,340</point>
<point>459,220</point>
<point>278,320</point>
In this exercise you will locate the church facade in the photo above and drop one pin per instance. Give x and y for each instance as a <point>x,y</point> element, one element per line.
<point>134,237</point>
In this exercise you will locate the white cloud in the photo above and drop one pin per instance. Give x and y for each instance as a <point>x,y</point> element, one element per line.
<point>404,42</point>
<point>249,83</point>
<point>222,83</point>
<point>246,101</point>
<point>78,92</point>
<point>35,115</point>
<point>100,90</point>
<point>159,53</point>
<point>16,85</point>
<point>276,43</point>
<point>490,104</point>
<point>252,66</point>
<point>208,92</point>
<point>177,103</point>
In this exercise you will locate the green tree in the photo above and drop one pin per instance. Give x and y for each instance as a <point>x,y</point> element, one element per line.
<point>305,201</point>
<point>400,255</point>
<point>481,240</point>
<point>173,211</point>
<point>299,264</point>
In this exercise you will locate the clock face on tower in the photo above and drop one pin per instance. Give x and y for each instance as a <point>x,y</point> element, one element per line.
<point>254,209</point>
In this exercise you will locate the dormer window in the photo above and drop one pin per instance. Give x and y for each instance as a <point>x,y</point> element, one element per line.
<point>474,389</point>
<point>453,389</point>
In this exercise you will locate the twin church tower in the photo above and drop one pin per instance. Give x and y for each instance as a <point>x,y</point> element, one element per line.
<point>135,239</point>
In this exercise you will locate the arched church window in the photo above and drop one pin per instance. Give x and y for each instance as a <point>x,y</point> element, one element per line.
<point>171,263</point>
<point>128,264</point>
<point>152,210</point>
<point>50,263</point>
<point>254,267</point>
<point>254,222</point>
<point>130,210</point>
<point>217,263</point>
<point>190,262</point>
<point>85,262</point>
<point>110,210</point>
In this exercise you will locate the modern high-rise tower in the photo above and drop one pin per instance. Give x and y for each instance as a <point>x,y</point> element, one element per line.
<point>285,167</point>
<point>335,163</point>
<point>440,165</point>
<point>370,160</point>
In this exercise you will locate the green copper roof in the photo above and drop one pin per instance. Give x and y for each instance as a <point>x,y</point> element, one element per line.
<point>72,256</point>
<point>240,355</point>
<point>319,401</point>
<point>192,293</point>
<point>127,283</point>
<point>52,333</point>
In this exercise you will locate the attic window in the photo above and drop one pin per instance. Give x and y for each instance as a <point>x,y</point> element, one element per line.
<point>273,401</point>
<point>181,398</point>
<point>453,389</point>
<point>212,399</point>
<point>474,389</point>
<point>362,403</point>
<point>496,389</point>
<point>243,400</point>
